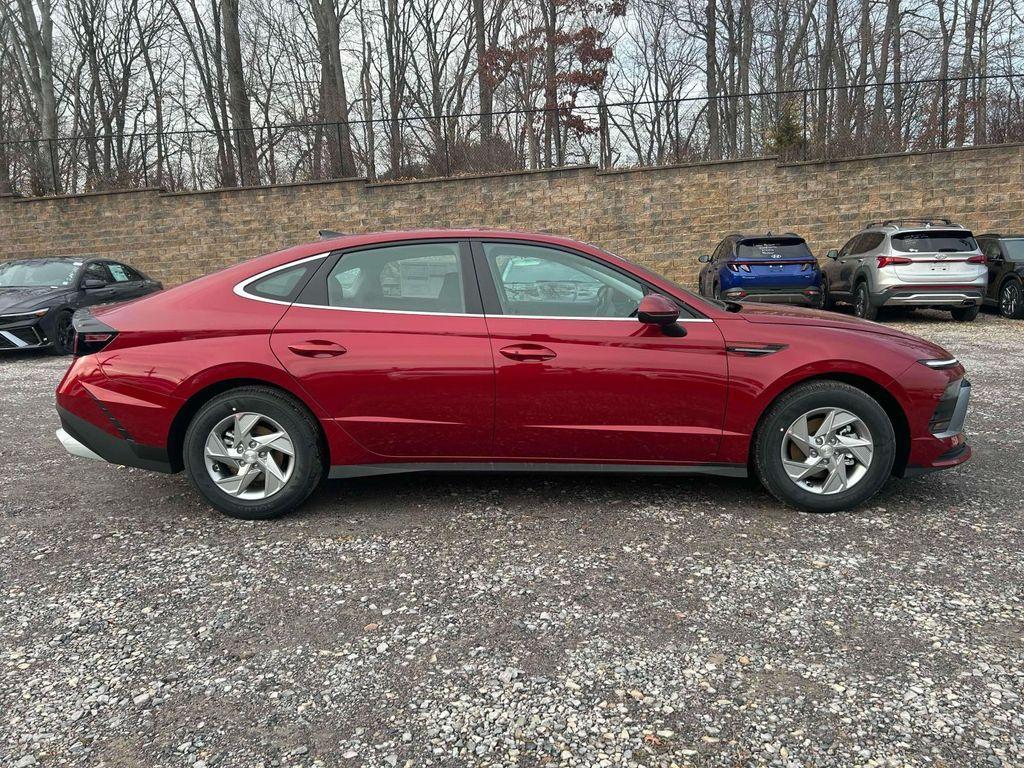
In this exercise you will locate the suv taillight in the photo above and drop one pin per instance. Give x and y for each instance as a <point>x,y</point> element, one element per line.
<point>90,334</point>
<point>885,261</point>
<point>977,259</point>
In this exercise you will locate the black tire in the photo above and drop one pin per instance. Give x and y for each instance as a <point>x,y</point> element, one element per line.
<point>768,444</point>
<point>862,306</point>
<point>63,334</point>
<point>965,314</point>
<point>1011,299</point>
<point>716,292</point>
<point>292,416</point>
<point>827,302</point>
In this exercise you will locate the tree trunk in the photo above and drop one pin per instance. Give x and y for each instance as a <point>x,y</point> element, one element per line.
<point>238,96</point>
<point>711,63</point>
<point>483,78</point>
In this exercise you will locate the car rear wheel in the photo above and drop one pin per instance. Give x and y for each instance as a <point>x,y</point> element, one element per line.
<point>254,453</point>
<point>965,314</point>
<point>1011,300</point>
<point>824,446</point>
<point>862,306</point>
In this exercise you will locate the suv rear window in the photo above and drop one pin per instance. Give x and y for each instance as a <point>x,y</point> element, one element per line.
<point>934,241</point>
<point>772,248</point>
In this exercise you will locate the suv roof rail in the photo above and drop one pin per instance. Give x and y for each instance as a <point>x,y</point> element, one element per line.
<point>928,221</point>
<point>330,234</point>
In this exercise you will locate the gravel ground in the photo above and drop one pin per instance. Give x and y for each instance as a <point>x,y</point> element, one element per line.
<point>526,621</point>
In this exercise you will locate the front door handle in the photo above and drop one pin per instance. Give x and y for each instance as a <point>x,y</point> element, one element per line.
<point>527,352</point>
<point>317,348</point>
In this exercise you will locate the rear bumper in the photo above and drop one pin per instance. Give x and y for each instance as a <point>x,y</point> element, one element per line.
<point>929,296</point>
<point>809,297</point>
<point>82,438</point>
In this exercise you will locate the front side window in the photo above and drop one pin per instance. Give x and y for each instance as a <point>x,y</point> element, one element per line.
<point>547,282</point>
<point>418,277</point>
<point>98,271</point>
<point>934,241</point>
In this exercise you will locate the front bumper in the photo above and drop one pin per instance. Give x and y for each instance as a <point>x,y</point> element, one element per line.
<point>947,447</point>
<point>17,336</point>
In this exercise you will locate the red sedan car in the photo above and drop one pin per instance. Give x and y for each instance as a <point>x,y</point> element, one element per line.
<point>481,350</point>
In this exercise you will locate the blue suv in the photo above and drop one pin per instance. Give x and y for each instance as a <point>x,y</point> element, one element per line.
<point>771,268</point>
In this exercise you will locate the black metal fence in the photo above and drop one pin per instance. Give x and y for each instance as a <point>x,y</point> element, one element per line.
<point>795,125</point>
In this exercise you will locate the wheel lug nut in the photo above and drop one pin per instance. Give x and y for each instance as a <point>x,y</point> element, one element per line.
<point>818,440</point>
<point>252,443</point>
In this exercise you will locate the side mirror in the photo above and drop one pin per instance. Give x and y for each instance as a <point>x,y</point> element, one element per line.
<point>704,258</point>
<point>656,309</point>
<point>832,254</point>
<point>93,284</point>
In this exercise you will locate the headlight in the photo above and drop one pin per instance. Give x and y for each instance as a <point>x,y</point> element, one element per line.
<point>22,317</point>
<point>949,362</point>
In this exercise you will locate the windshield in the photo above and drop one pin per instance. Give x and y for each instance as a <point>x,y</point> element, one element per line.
<point>934,241</point>
<point>37,274</point>
<point>772,248</point>
<point>1014,248</point>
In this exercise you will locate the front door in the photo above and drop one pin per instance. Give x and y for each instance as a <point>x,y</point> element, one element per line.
<point>579,378</point>
<point>391,343</point>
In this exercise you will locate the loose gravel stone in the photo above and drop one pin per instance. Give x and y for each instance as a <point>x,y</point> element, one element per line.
<point>524,621</point>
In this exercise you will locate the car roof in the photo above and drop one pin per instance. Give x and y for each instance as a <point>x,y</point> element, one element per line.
<point>1002,235</point>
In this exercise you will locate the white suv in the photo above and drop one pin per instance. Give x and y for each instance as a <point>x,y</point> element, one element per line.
<point>908,263</point>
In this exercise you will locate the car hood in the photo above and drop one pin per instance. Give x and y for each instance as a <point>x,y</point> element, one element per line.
<point>27,299</point>
<point>783,315</point>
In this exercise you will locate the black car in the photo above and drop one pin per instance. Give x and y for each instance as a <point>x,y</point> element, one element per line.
<point>1005,256</point>
<point>38,297</point>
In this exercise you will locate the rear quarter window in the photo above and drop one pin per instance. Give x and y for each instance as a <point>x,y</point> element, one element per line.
<point>283,285</point>
<point>934,241</point>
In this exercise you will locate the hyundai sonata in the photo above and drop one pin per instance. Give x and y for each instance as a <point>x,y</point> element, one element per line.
<point>478,350</point>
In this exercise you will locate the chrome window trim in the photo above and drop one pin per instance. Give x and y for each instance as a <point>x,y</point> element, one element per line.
<point>239,290</point>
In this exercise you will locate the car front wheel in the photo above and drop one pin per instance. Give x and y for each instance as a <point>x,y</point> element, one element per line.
<point>253,453</point>
<point>63,335</point>
<point>824,446</point>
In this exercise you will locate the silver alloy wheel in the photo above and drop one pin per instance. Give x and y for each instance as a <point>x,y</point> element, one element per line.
<point>249,456</point>
<point>1011,298</point>
<point>827,450</point>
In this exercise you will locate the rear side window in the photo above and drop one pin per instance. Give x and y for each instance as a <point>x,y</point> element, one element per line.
<point>418,277</point>
<point>283,285</point>
<point>934,241</point>
<point>773,248</point>
<point>1014,247</point>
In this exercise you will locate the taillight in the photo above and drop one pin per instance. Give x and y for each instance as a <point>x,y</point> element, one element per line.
<point>885,261</point>
<point>977,259</point>
<point>90,334</point>
<point>808,265</point>
<point>737,267</point>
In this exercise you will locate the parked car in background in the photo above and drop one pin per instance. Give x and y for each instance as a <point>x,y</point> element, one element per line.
<point>1005,256</point>
<point>476,350</point>
<point>767,268</point>
<point>39,296</point>
<point>908,263</point>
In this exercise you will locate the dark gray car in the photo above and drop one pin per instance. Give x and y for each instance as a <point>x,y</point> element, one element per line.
<point>39,296</point>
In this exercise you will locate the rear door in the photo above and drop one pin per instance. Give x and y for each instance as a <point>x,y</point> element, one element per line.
<point>391,342</point>
<point>579,378</point>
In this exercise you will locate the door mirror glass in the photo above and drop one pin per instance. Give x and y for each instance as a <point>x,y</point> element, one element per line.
<point>704,258</point>
<point>656,309</point>
<point>833,254</point>
<point>93,283</point>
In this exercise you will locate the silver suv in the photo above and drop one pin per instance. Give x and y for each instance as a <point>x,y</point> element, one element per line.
<point>907,263</point>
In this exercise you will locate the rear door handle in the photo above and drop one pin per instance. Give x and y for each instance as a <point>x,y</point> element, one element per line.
<point>527,352</point>
<point>317,348</point>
